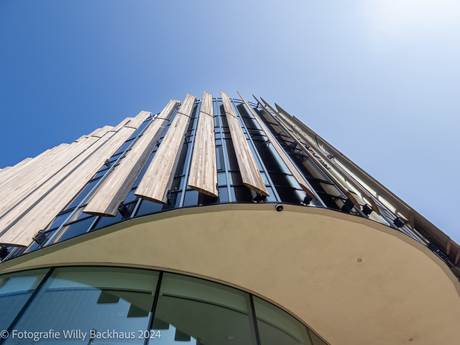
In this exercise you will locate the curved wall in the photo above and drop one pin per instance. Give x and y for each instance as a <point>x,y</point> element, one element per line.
<point>350,279</point>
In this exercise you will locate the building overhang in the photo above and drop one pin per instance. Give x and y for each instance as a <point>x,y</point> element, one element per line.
<point>352,280</point>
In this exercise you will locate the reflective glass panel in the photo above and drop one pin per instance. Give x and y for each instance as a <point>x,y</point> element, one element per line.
<point>202,312</point>
<point>82,194</point>
<point>222,179</point>
<point>277,327</point>
<point>75,229</point>
<point>148,207</point>
<point>241,194</point>
<point>15,291</point>
<point>97,299</point>
<point>59,220</point>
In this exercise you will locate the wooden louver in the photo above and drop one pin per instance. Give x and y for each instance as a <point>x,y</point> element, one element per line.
<point>203,170</point>
<point>118,184</point>
<point>159,174</point>
<point>248,167</point>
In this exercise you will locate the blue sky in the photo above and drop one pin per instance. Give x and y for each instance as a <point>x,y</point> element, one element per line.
<point>378,79</point>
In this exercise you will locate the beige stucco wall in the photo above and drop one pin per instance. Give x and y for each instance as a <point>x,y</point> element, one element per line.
<point>302,259</point>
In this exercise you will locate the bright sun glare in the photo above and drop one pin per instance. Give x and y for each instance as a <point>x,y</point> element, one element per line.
<point>394,17</point>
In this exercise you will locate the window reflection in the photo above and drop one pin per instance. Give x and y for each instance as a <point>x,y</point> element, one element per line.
<point>278,327</point>
<point>202,312</point>
<point>15,291</point>
<point>92,298</point>
<point>121,300</point>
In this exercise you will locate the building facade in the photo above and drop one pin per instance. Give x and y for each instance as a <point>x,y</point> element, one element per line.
<point>216,221</point>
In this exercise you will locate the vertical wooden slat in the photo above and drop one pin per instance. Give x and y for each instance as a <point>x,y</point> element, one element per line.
<point>23,200</point>
<point>160,172</point>
<point>137,121</point>
<point>45,174</point>
<point>118,184</point>
<point>203,169</point>
<point>366,195</point>
<point>299,178</point>
<point>7,173</point>
<point>21,232</point>
<point>36,172</point>
<point>124,123</point>
<point>248,167</point>
<point>101,131</point>
<point>296,135</point>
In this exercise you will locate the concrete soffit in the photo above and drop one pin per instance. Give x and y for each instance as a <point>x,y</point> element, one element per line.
<point>351,280</point>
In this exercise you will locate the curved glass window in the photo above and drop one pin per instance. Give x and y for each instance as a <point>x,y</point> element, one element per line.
<point>15,291</point>
<point>110,305</point>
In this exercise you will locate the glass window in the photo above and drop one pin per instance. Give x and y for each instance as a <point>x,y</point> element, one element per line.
<point>100,173</point>
<point>74,229</point>
<point>264,177</point>
<point>124,147</point>
<point>219,158</point>
<point>223,194</point>
<point>177,184</point>
<point>284,180</point>
<point>232,161</point>
<point>222,179</point>
<point>271,197</point>
<point>35,245</point>
<point>114,158</point>
<point>271,158</point>
<point>181,164</point>
<point>15,290</point>
<point>148,207</point>
<point>330,189</point>
<point>256,158</point>
<point>191,198</point>
<point>131,197</point>
<point>306,166</point>
<point>93,298</point>
<point>235,178</point>
<point>202,312</point>
<point>91,301</point>
<point>59,220</point>
<point>278,327</point>
<point>217,121</point>
<point>241,194</point>
<point>139,129</point>
<point>204,199</point>
<point>290,195</point>
<point>144,169</point>
<point>125,214</point>
<point>79,215</point>
<point>76,201</point>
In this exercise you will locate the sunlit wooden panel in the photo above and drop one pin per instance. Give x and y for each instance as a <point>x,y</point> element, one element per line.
<point>118,184</point>
<point>248,167</point>
<point>124,123</point>
<point>23,200</point>
<point>7,173</point>
<point>159,174</point>
<point>299,178</point>
<point>141,117</point>
<point>34,173</point>
<point>203,169</point>
<point>41,175</point>
<point>101,131</point>
<point>21,232</point>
